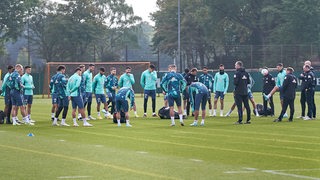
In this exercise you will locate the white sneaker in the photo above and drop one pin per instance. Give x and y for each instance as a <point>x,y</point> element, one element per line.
<point>136,115</point>
<point>194,124</point>
<point>214,115</point>
<point>91,118</point>
<point>119,125</point>
<point>128,125</point>
<point>75,125</point>
<point>227,115</point>
<point>172,124</point>
<point>104,111</point>
<point>64,124</point>
<point>202,124</point>
<point>32,121</point>
<point>300,117</point>
<point>306,118</point>
<point>14,123</point>
<point>29,123</point>
<point>221,114</point>
<point>55,124</point>
<point>87,124</point>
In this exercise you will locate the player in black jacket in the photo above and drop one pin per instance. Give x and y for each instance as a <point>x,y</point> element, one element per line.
<point>307,87</point>
<point>268,85</point>
<point>241,81</point>
<point>289,93</point>
<point>314,85</point>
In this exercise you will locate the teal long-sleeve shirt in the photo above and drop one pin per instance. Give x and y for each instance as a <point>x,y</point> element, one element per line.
<point>126,93</point>
<point>87,75</point>
<point>196,88</point>
<point>73,85</point>
<point>4,87</point>
<point>207,80</point>
<point>148,80</point>
<point>221,82</point>
<point>280,77</point>
<point>98,84</point>
<point>27,82</point>
<point>126,80</point>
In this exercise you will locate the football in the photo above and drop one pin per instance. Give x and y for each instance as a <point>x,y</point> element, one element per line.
<point>264,72</point>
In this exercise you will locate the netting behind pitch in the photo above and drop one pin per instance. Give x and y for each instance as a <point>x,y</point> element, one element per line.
<point>136,69</point>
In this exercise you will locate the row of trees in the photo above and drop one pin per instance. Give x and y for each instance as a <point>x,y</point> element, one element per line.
<point>217,29</point>
<point>76,30</point>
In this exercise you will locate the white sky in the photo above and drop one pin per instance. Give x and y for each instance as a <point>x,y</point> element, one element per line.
<point>141,8</point>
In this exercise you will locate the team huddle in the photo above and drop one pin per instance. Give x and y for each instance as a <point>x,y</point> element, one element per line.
<point>17,88</point>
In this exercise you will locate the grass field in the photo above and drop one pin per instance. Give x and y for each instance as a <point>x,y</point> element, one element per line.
<point>153,150</point>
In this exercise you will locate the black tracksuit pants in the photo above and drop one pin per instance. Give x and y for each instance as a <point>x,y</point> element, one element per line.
<point>245,100</point>
<point>287,102</point>
<point>265,105</point>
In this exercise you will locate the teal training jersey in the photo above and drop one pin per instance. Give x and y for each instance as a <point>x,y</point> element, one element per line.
<point>207,80</point>
<point>221,82</point>
<point>280,77</point>
<point>126,93</point>
<point>87,75</point>
<point>73,85</point>
<point>27,82</point>
<point>126,80</point>
<point>148,80</point>
<point>111,83</point>
<point>98,84</point>
<point>4,86</point>
<point>196,88</point>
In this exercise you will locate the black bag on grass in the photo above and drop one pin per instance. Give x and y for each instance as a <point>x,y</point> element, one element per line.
<point>122,117</point>
<point>2,115</point>
<point>164,113</point>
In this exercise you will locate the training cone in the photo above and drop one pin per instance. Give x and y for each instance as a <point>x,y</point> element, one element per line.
<point>30,134</point>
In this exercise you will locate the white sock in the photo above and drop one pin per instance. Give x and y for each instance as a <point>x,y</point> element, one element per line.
<point>79,115</point>
<point>14,119</point>
<point>144,113</point>
<point>214,111</point>
<point>221,111</point>
<point>55,121</point>
<point>84,120</point>
<point>63,121</point>
<point>195,121</point>
<point>172,120</point>
<point>74,120</point>
<point>202,121</point>
<point>135,113</point>
<point>181,117</point>
<point>52,115</point>
<point>230,111</point>
<point>256,110</point>
<point>26,119</point>
<point>128,122</point>
<point>118,120</point>
<point>29,116</point>
<point>210,111</point>
<point>153,113</point>
<point>184,111</point>
<point>99,113</point>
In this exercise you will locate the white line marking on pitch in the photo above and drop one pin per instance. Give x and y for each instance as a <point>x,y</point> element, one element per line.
<point>196,160</point>
<point>251,169</point>
<point>73,177</point>
<point>237,172</point>
<point>291,175</point>
<point>142,152</point>
<point>62,140</point>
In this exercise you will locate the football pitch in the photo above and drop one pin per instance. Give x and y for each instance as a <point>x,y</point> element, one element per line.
<point>151,149</point>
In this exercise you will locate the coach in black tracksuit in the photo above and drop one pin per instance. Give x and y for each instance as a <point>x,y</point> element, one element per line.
<point>268,85</point>
<point>241,81</point>
<point>289,94</point>
<point>190,78</point>
<point>308,87</point>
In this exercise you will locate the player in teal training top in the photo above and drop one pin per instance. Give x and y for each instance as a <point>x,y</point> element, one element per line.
<point>148,82</point>
<point>75,92</point>
<point>127,80</point>
<point>220,88</point>
<point>7,96</point>
<point>198,94</point>
<point>172,85</point>
<point>87,76</point>
<point>122,104</point>
<point>279,81</point>
<point>98,89</point>
<point>208,80</point>
<point>60,86</point>
<point>27,82</point>
<point>111,87</point>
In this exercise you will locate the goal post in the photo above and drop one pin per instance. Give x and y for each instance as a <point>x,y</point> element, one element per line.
<point>136,69</point>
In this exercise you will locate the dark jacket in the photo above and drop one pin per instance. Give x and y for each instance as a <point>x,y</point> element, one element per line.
<point>289,86</point>
<point>190,78</point>
<point>308,80</point>
<point>241,81</point>
<point>268,83</point>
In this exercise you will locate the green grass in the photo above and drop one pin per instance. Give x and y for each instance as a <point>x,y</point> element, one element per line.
<point>153,150</point>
